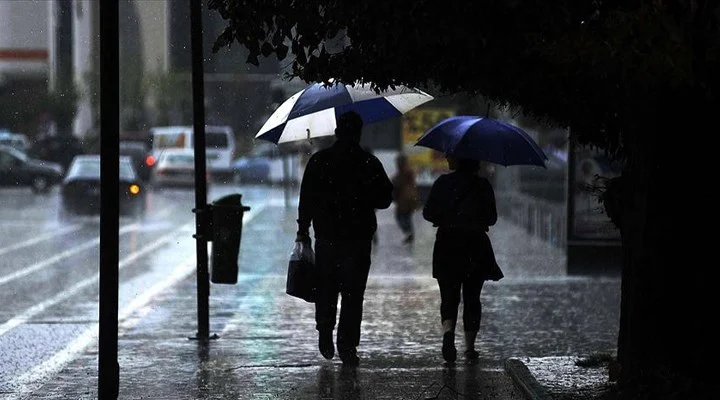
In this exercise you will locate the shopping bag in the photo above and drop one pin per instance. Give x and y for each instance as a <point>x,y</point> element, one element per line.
<point>301,274</point>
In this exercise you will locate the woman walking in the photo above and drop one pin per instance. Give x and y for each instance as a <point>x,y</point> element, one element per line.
<point>461,204</point>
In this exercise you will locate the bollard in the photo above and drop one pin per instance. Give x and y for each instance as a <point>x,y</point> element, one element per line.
<point>225,234</point>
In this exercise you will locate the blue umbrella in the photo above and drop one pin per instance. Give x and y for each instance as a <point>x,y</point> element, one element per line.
<point>312,112</point>
<point>484,139</point>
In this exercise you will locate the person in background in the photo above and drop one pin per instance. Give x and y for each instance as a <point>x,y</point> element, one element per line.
<point>341,188</point>
<point>405,196</point>
<point>461,204</point>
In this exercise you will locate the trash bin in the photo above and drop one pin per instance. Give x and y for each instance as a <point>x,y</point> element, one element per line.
<point>226,231</point>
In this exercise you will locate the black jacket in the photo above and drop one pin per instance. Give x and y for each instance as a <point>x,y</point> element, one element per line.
<point>461,200</point>
<point>462,206</point>
<point>341,188</point>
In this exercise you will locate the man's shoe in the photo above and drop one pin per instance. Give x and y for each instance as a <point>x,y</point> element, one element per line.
<point>326,345</point>
<point>448,348</point>
<point>349,358</point>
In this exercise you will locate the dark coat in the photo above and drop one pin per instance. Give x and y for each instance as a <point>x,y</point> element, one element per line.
<point>341,188</point>
<point>462,206</point>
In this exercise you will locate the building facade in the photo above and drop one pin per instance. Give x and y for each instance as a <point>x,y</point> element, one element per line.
<point>48,45</point>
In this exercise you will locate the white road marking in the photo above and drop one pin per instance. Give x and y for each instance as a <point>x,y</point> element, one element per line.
<point>40,307</point>
<point>67,253</point>
<point>38,239</point>
<point>32,379</point>
<point>58,257</point>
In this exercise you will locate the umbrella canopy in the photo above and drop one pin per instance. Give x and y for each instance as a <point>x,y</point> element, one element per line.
<point>312,112</point>
<point>483,139</point>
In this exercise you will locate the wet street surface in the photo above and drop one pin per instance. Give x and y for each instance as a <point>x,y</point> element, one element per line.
<point>267,343</point>
<point>49,270</point>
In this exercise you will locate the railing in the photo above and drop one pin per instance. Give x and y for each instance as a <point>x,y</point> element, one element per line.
<point>544,219</point>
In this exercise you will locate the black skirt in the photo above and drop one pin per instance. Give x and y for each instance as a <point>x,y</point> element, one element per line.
<point>464,254</point>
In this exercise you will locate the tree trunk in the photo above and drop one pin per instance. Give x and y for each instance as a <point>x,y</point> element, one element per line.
<point>666,343</point>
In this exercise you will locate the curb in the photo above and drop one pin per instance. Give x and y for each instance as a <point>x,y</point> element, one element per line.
<point>525,381</point>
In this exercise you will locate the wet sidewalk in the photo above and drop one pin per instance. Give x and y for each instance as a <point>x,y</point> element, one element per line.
<point>267,345</point>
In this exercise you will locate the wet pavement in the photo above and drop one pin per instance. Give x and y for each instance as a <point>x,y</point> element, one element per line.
<point>49,273</point>
<point>560,377</point>
<point>267,343</point>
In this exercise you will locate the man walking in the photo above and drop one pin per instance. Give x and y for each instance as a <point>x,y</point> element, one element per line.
<point>341,188</point>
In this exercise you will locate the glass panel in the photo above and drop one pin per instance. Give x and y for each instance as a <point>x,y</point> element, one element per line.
<point>216,139</point>
<point>170,140</point>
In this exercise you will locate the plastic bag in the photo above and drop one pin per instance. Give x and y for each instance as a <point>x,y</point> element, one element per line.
<point>301,274</point>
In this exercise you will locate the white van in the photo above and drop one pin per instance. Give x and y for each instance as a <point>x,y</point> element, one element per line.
<point>219,144</point>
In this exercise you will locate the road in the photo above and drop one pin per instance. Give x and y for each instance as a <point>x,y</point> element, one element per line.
<point>49,269</point>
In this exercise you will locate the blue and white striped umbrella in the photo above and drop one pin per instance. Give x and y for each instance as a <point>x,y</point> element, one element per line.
<point>312,112</point>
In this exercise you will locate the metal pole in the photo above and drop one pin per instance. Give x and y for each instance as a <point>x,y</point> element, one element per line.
<point>201,207</point>
<point>108,368</point>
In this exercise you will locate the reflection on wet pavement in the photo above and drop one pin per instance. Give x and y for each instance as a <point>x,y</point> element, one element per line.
<point>267,341</point>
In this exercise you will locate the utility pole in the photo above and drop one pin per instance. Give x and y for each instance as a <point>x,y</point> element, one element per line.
<point>201,207</point>
<point>108,368</point>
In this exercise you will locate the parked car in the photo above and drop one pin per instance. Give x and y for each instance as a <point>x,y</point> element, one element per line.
<point>252,169</point>
<point>80,189</point>
<point>16,140</point>
<point>17,169</point>
<point>174,168</point>
<point>142,160</point>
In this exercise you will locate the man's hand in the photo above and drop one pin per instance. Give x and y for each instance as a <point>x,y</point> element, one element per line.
<point>302,237</point>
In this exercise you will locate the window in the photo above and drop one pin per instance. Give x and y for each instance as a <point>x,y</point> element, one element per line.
<point>180,159</point>
<point>6,160</point>
<point>90,167</point>
<point>170,140</point>
<point>216,139</point>
<point>11,154</point>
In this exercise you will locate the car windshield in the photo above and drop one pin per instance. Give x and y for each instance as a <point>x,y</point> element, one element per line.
<point>11,141</point>
<point>15,153</point>
<point>179,159</point>
<point>216,139</point>
<point>130,147</point>
<point>169,140</point>
<point>90,167</point>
